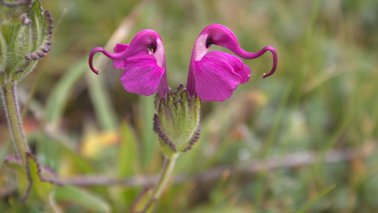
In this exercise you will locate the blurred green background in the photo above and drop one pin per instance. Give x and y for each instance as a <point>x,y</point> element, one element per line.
<point>303,140</point>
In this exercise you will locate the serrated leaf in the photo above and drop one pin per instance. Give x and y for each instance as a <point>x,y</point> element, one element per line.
<point>39,187</point>
<point>10,14</point>
<point>21,45</point>
<point>177,121</point>
<point>42,25</point>
<point>30,40</point>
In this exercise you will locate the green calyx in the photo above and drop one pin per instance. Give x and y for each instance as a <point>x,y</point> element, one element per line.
<point>177,121</point>
<point>25,37</point>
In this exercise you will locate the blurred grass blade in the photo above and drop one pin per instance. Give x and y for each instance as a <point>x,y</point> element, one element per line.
<point>128,164</point>
<point>306,207</point>
<point>73,195</point>
<point>61,93</point>
<point>128,155</point>
<point>100,98</point>
<point>141,200</point>
<point>149,139</point>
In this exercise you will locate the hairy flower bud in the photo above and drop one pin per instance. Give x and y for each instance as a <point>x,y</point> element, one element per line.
<point>25,37</point>
<point>177,121</point>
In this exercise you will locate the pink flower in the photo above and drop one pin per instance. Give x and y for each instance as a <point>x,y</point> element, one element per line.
<point>142,62</point>
<point>214,75</point>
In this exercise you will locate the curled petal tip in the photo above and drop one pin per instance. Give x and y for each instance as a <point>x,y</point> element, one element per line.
<point>94,70</point>
<point>275,60</point>
<point>106,53</point>
<point>267,74</point>
<point>90,60</point>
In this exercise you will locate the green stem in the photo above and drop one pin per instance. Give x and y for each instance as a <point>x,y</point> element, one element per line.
<point>12,113</point>
<point>165,176</point>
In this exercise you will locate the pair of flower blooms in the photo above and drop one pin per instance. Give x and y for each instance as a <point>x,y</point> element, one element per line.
<point>213,75</point>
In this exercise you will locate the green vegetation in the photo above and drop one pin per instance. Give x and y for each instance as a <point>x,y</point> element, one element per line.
<point>302,140</point>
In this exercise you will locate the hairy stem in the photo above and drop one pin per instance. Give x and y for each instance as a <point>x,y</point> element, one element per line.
<point>12,113</point>
<point>160,187</point>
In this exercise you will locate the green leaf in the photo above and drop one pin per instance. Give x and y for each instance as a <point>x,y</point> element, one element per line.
<point>39,30</point>
<point>39,187</point>
<point>177,121</point>
<point>84,199</point>
<point>128,155</point>
<point>27,38</point>
<point>42,26</point>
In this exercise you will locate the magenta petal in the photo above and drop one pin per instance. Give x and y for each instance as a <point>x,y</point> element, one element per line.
<point>202,60</point>
<point>217,75</point>
<point>222,36</point>
<point>120,47</point>
<point>142,75</point>
<point>143,63</point>
<point>119,63</point>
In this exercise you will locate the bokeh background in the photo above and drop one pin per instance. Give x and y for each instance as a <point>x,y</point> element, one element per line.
<point>303,140</point>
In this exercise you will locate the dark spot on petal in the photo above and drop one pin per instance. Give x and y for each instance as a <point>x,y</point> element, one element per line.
<point>209,42</point>
<point>152,48</point>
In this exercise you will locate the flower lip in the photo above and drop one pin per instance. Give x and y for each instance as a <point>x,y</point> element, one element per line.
<point>143,63</point>
<point>222,36</point>
<point>218,74</point>
<point>215,73</point>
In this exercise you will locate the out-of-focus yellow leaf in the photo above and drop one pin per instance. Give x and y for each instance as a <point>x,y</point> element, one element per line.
<point>95,142</point>
<point>73,163</point>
